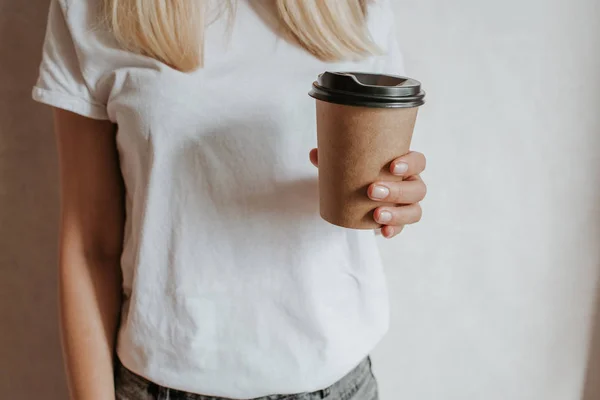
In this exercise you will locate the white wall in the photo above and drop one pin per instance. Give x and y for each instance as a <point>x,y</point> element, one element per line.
<point>494,291</point>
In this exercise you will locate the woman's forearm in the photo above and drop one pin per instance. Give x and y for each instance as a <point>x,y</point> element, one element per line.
<point>91,239</point>
<point>90,298</point>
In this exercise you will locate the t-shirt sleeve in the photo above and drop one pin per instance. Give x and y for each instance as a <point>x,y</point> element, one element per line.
<point>61,81</point>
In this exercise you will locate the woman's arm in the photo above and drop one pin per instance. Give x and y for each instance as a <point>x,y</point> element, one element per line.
<point>91,235</point>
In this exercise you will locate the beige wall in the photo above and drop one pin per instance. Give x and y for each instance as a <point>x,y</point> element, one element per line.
<point>493,293</point>
<point>30,360</point>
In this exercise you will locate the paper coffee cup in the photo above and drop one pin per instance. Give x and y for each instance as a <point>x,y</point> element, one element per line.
<point>364,122</point>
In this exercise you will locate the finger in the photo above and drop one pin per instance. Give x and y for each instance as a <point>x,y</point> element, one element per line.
<point>396,216</point>
<point>314,157</point>
<point>409,164</point>
<point>405,192</point>
<point>390,231</point>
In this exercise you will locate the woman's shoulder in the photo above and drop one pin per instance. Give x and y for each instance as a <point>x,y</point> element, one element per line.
<point>84,18</point>
<point>67,79</point>
<point>81,12</point>
<point>96,47</point>
<point>94,5</point>
<point>79,58</point>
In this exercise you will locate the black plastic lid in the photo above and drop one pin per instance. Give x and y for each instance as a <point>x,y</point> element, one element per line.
<point>368,90</point>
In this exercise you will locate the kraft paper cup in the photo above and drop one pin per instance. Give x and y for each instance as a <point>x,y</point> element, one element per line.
<point>364,122</point>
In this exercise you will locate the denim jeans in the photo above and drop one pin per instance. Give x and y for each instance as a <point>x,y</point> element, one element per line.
<point>359,384</point>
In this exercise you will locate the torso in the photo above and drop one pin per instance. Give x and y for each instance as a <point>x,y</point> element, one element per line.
<point>234,286</point>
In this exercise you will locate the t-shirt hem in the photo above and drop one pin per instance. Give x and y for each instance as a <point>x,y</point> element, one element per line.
<point>69,103</point>
<point>194,382</point>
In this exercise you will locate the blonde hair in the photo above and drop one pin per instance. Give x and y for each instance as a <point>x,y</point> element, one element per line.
<point>172,31</point>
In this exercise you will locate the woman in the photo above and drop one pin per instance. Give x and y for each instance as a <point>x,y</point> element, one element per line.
<point>191,243</point>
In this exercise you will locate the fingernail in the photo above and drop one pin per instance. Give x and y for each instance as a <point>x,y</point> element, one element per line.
<point>384,217</point>
<point>379,192</point>
<point>400,168</point>
<point>390,232</point>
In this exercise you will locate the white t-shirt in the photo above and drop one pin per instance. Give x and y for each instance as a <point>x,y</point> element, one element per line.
<point>233,284</point>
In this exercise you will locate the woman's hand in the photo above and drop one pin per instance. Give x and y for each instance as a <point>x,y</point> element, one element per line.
<point>406,194</point>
